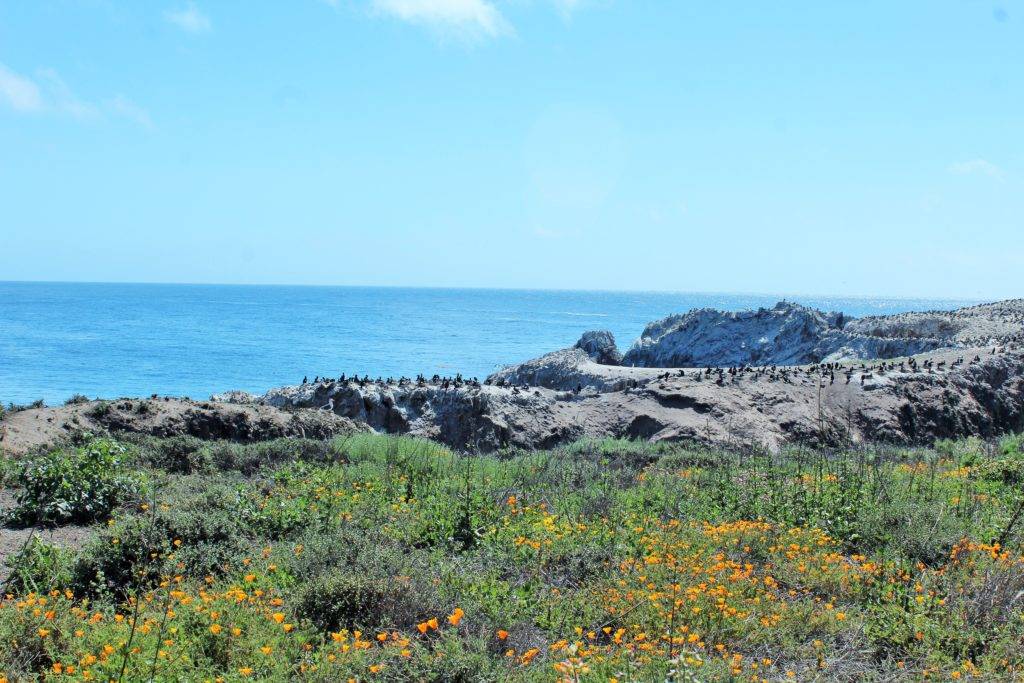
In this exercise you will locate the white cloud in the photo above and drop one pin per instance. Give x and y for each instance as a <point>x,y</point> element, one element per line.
<point>122,106</point>
<point>19,93</point>
<point>189,19</point>
<point>468,19</point>
<point>977,167</point>
<point>60,97</point>
<point>49,93</point>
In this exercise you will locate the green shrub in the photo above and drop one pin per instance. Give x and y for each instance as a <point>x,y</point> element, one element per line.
<point>417,457</point>
<point>342,600</point>
<point>964,451</point>
<point>325,549</point>
<point>79,485</point>
<point>180,455</point>
<point>1012,444</point>
<point>101,410</point>
<point>39,567</point>
<point>15,408</point>
<point>76,399</point>
<point>194,537</point>
<point>355,579</point>
<point>252,458</point>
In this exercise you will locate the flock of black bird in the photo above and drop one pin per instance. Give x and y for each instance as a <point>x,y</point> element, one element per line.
<point>455,382</point>
<point>820,371</point>
<point>772,373</point>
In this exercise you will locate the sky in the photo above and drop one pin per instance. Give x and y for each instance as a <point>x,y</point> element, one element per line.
<point>849,148</point>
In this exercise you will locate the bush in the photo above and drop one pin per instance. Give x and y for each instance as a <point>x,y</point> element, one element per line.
<point>251,458</point>
<point>15,408</point>
<point>80,485</point>
<point>193,537</point>
<point>1012,444</point>
<point>354,579</point>
<point>966,452</point>
<point>40,567</point>
<point>179,455</point>
<point>76,399</point>
<point>341,600</point>
<point>418,457</point>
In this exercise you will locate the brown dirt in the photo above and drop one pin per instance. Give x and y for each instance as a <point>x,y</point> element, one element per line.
<point>13,540</point>
<point>25,430</point>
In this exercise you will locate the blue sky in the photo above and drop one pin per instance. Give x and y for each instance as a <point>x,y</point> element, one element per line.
<point>874,147</point>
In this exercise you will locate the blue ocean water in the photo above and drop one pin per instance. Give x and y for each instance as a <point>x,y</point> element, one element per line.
<point>112,340</point>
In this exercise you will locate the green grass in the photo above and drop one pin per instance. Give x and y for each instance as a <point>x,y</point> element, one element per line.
<point>390,558</point>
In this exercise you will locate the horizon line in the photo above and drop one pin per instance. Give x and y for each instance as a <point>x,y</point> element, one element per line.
<point>959,299</point>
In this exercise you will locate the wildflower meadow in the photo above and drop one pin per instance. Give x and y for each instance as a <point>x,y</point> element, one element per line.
<point>382,558</point>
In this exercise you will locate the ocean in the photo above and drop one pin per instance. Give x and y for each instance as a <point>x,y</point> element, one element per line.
<point>113,340</point>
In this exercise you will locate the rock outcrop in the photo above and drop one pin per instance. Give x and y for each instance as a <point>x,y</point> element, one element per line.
<point>788,334</point>
<point>600,347</point>
<point>937,395</point>
<point>985,324</point>
<point>592,362</point>
<point>791,334</point>
<point>759,381</point>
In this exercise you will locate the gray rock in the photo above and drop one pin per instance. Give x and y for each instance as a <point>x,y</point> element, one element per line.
<point>600,346</point>
<point>591,363</point>
<point>791,334</point>
<point>952,396</point>
<point>242,398</point>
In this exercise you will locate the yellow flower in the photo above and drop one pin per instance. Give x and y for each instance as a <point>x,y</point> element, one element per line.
<point>278,617</point>
<point>215,629</point>
<point>245,671</point>
<point>266,649</point>
<point>43,632</point>
<point>456,616</point>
